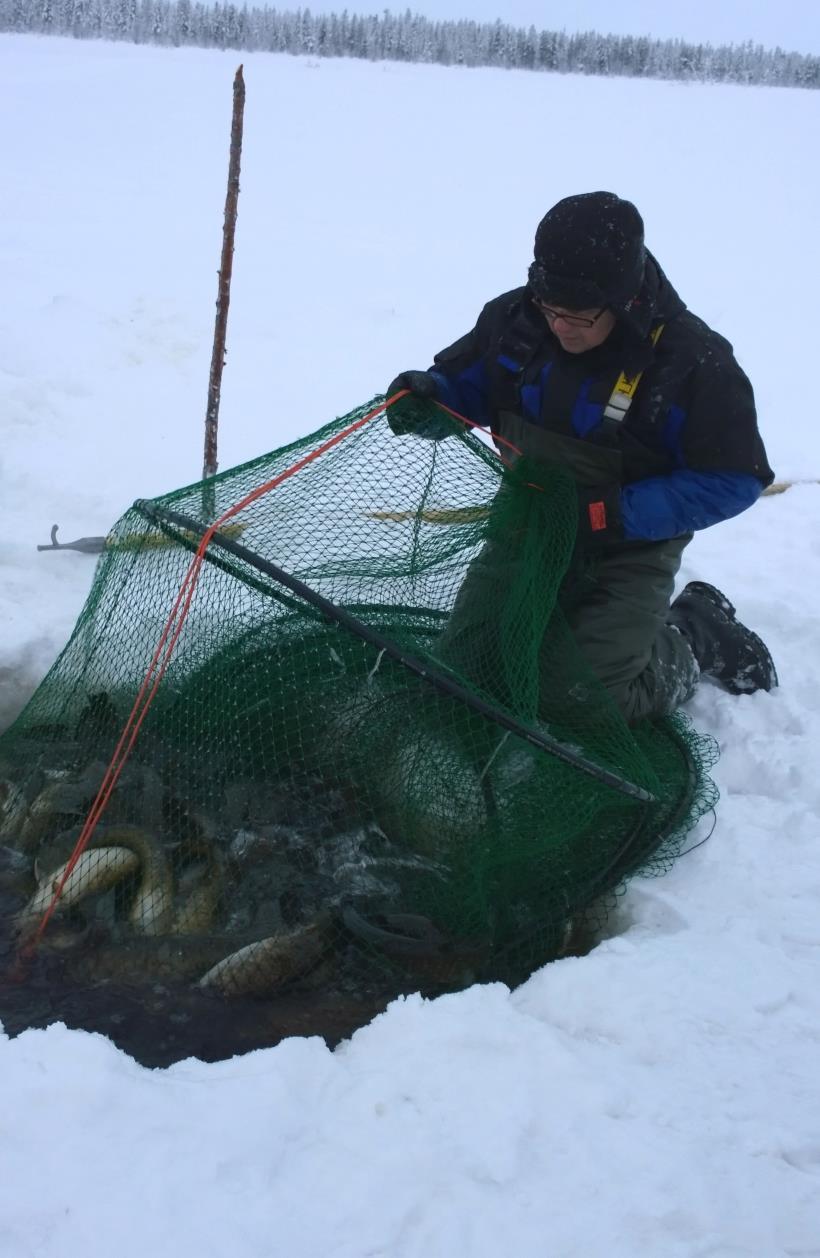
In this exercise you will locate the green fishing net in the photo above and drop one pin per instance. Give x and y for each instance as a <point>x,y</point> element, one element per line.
<point>375,760</point>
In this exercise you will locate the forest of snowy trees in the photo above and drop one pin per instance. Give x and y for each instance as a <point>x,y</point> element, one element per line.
<point>406,37</point>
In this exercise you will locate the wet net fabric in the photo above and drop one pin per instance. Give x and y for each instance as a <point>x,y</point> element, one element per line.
<point>376,760</point>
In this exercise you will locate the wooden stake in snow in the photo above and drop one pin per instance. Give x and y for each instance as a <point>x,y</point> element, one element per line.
<point>225,270</point>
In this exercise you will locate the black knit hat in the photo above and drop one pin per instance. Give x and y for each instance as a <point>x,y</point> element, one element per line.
<point>589,252</point>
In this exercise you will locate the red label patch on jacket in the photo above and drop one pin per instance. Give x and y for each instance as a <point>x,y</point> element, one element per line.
<point>597,516</point>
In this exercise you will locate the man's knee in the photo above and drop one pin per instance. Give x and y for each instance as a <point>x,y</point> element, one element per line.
<point>656,686</point>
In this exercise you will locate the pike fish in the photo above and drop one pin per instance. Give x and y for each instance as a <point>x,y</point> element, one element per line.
<point>98,869</point>
<point>419,945</point>
<point>200,886</point>
<point>433,515</point>
<point>37,810</point>
<point>59,798</point>
<point>263,967</point>
<point>112,855</point>
<point>152,908</point>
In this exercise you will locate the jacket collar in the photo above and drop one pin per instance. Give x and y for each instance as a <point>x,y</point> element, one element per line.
<point>656,302</point>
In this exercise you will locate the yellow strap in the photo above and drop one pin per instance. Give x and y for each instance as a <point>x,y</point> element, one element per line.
<point>624,391</point>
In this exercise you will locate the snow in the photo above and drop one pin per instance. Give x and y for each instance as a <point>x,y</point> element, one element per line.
<point>657,1097</point>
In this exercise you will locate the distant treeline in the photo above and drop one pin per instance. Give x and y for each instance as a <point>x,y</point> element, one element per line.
<point>407,38</point>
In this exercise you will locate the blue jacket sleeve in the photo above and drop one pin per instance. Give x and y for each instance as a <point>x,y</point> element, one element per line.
<point>465,393</point>
<point>661,507</point>
<point>461,375</point>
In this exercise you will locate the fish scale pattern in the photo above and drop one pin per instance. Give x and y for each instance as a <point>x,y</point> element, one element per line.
<point>376,760</point>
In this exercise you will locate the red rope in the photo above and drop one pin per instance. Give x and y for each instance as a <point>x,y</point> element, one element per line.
<point>497,438</point>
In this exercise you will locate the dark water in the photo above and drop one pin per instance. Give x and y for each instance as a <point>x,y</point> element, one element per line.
<point>158,1023</point>
<point>130,995</point>
<point>158,1030</point>
<point>161,1022</point>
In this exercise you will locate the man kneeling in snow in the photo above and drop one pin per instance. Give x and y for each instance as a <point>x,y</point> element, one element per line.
<point>597,365</point>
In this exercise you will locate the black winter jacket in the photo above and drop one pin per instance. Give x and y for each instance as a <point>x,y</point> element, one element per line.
<point>690,450</point>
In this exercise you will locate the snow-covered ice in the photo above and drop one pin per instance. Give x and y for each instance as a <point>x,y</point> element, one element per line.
<point>660,1096</point>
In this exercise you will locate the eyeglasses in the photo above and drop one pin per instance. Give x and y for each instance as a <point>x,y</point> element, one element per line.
<point>575,321</point>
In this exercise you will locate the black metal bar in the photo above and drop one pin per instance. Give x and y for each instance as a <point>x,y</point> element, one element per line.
<point>441,681</point>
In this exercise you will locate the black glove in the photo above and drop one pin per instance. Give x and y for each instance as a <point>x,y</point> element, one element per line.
<point>421,383</point>
<point>599,515</point>
<point>416,414</point>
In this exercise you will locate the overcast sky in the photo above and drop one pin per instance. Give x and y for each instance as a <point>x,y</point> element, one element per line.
<point>793,24</point>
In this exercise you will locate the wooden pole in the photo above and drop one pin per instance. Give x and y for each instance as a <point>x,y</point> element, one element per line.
<point>224,289</point>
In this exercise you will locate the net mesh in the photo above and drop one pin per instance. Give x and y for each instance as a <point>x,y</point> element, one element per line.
<point>376,760</point>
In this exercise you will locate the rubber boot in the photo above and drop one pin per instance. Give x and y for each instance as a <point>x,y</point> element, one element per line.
<point>725,649</point>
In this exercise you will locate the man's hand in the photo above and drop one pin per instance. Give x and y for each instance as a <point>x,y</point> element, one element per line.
<point>416,414</point>
<point>421,383</point>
